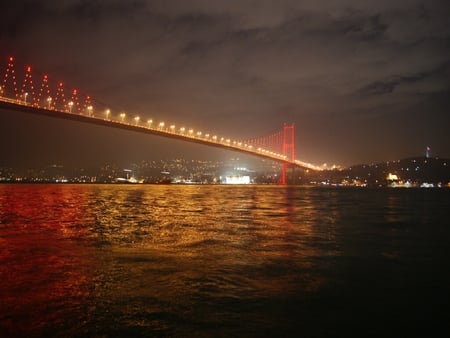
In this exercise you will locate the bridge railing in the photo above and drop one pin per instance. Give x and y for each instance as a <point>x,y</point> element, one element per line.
<point>162,129</point>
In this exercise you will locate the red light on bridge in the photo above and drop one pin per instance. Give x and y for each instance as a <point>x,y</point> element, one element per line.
<point>11,59</point>
<point>28,69</point>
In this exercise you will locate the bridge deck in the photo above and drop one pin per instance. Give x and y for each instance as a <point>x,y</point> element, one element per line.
<point>15,105</point>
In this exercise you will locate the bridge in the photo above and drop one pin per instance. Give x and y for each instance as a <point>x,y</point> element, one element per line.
<point>26,96</point>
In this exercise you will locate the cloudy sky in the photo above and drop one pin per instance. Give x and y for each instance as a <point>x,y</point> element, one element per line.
<point>363,81</point>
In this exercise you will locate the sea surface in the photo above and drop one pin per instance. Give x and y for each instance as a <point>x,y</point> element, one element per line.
<point>223,261</point>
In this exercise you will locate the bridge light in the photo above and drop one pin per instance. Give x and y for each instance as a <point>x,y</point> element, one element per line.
<point>70,104</point>
<point>137,118</point>
<point>122,116</point>
<point>161,125</point>
<point>150,121</point>
<point>107,112</point>
<point>182,130</point>
<point>172,128</point>
<point>49,101</point>
<point>89,109</point>
<point>214,137</point>
<point>191,131</point>
<point>199,133</point>
<point>221,139</point>
<point>25,97</point>
<point>228,140</point>
<point>206,135</point>
<point>240,144</point>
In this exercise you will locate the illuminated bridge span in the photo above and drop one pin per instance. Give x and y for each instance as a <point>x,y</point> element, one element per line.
<point>42,98</point>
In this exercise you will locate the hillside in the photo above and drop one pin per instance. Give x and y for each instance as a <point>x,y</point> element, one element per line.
<point>414,171</point>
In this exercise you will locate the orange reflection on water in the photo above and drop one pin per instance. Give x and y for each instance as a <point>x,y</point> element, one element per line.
<point>235,238</point>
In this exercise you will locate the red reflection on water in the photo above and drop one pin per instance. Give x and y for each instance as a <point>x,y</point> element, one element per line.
<point>43,268</point>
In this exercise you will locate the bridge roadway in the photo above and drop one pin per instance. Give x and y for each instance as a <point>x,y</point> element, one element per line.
<point>16,105</point>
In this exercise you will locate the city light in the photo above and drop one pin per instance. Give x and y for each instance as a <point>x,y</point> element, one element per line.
<point>70,104</point>
<point>107,112</point>
<point>136,119</point>
<point>122,116</point>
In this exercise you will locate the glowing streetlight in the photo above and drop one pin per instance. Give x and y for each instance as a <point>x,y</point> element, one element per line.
<point>89,110</point>
<point>25,97</point>
<point>172,128</point>
<point>191,131</point>
<point>49,101</point>
<point>161,125</point>
<point>70,104</point>
<point>182,130</point>
<point>199,133</point>
<point>122,116</point>
<point>150,121</point>
<point>136,119</point>
<point>107,112</point>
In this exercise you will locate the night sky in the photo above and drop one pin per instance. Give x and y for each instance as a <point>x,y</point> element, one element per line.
<point>363,81</point>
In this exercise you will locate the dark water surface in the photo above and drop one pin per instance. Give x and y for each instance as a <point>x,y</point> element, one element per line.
<point>228,261</point>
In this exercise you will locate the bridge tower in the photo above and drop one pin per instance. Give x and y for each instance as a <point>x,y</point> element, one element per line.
<point>288,148</point>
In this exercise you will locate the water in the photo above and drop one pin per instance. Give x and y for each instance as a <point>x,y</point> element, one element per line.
<point>242,261</point>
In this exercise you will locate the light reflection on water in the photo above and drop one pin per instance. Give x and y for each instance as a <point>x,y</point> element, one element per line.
<point>98,260</point>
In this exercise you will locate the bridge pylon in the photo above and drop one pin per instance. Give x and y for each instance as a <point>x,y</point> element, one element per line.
<point>288,148</point>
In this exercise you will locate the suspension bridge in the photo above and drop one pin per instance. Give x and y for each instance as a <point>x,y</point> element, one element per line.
<point>20,91</point>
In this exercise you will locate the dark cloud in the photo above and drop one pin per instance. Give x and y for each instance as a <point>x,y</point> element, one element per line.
<point>341,71</point>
